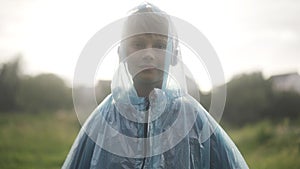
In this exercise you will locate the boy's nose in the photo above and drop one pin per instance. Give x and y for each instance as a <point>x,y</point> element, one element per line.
<point>148,54</point>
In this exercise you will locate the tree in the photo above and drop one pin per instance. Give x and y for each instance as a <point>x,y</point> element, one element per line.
<point>44,92</point>
<point>248,98</point>
<point>9,85</point>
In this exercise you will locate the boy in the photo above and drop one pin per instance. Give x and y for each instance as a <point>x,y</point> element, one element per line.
<point>149,120</point>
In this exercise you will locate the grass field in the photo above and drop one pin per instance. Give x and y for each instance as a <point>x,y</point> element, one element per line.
<point>42,141</point>
<point>36,141</point>
<point>269,146</point>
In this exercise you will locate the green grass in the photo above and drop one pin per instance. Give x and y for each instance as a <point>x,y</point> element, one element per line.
<point>36,140</point>
<point>266,145</point>
<point>42,141</point>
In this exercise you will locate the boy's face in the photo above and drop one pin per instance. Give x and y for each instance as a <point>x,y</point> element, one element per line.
<point>145,56</point>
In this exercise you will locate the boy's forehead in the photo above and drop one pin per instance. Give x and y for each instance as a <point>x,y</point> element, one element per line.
<point>144,23</point>
<point>148,36</point>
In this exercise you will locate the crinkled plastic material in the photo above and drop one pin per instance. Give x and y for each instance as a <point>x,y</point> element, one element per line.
<point>167,129</point>
<point>217,152</point>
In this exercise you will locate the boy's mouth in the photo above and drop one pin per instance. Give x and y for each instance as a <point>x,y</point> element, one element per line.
<point>147,66</point>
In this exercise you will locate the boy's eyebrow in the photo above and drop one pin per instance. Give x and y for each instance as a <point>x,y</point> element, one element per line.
<point>135,38</point>
<point>161,40</point>
<point>158,38</point>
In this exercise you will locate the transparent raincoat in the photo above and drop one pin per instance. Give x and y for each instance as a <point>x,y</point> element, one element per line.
<point>149,120</point>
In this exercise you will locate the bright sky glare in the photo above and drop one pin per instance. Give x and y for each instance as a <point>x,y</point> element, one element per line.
<point>251,35</point>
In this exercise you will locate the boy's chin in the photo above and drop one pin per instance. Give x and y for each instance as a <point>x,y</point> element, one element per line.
<point>149,76</point>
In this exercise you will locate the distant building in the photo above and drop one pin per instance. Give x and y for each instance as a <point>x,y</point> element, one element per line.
<point>286,82</point>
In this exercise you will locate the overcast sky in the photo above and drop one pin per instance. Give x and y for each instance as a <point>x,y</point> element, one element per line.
<point>250,35</point>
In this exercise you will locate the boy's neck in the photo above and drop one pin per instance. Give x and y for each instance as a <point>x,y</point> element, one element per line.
<point>144,89</point>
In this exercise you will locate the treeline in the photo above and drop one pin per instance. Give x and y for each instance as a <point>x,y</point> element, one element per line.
<point>250,97</point>
<point>20,93</point>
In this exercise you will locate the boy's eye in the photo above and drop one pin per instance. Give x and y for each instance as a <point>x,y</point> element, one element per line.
<point>138,45</point>
<point>160,46</point>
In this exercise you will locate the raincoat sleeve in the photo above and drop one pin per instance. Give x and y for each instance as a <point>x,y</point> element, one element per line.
<point>223,152</point>
<point>213,151</point>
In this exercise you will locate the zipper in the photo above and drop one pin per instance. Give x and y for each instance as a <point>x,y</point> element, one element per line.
<point>146,125</point>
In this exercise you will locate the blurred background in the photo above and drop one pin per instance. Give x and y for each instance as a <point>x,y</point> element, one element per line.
<point>257,42</point>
